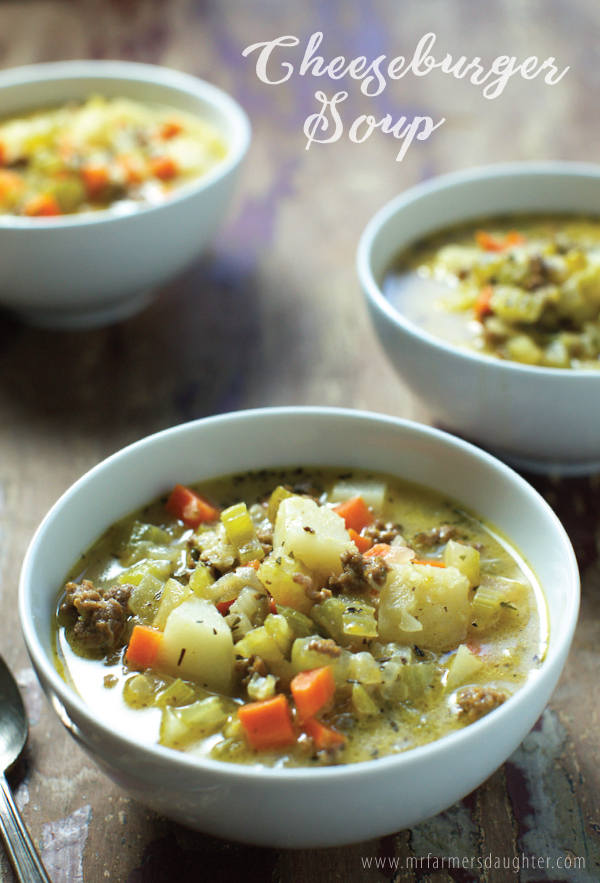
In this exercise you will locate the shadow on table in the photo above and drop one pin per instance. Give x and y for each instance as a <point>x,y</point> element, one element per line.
<point>187,355</point>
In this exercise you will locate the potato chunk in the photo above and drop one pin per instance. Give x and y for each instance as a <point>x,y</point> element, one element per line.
<point>314,534</point>
<point>198,646</point>
<point>425,605</point>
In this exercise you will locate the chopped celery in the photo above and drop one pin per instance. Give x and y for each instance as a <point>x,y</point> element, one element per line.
<point>231,585</point>
<point>419,676</point>
<point>364,669</point>
<point>200,579</point>
<point>145,598</point>
<point>329,615</point>
<point>498,597</point>
<point>279,494</point>
<point>205,715</point>
<point>149,533</point>
<point>157,567</point>
<point>242,534</point>
<point>174,594</point>
<point>259,642</point>
<point>358,620</point>
<point>177,693</point>
<point>261,688</point>
<point>278,628</point>
<point>314,652</point>
<point>278,574</point>
<point>301,625</point>
<point>139,691</point>
<point>363,702</point>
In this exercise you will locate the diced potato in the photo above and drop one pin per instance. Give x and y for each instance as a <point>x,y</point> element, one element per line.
<point>464,665</point>
<point>464,558</point>
<point>314,534</point>
<point>435,598</point>
<point>174,593</point>
<point>198,646</point>
<point>277,573</point>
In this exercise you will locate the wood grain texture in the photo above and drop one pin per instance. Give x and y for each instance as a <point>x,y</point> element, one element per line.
<point>273,315</point>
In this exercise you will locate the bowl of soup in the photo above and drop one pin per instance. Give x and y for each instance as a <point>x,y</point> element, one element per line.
<point>299,627</point>
<point>114,177</point>
<point>483,287</point>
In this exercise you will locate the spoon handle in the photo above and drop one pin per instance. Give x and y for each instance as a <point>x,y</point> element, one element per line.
<point>19,845</point>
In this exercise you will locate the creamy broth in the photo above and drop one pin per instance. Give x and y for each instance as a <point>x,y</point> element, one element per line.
<point>400,678</point>
<point>526,289</point>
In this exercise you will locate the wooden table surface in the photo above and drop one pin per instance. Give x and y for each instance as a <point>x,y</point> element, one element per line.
<point>273,315</point>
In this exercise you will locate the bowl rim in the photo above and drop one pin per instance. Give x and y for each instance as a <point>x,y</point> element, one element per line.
<point>135,72</point>
<point>182,760</point>
<point>440,183</point>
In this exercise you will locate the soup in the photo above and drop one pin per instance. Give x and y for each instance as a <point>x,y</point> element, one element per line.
<point>526,289</point>
<point>101,153</point>
<point>299,618</point>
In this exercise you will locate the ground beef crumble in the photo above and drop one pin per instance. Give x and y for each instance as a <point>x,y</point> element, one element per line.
<point>383,531</point>
<point>358,574</point>
<point>101,613</point>
<point>436,537</point>
<point>475,702</point>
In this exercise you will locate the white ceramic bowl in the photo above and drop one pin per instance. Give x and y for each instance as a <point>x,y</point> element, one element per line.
<point>298,807</point>
<point>100,267</point>
<point>542,419</point>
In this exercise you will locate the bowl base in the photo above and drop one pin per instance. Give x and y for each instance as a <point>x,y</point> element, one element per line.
<point>79,320</point>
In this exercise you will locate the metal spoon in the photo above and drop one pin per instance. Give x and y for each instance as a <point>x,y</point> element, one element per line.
<point>13,735</point>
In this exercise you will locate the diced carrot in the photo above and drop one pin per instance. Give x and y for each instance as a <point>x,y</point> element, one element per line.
<point>312,690</point>
<point>95,178</point>
<point>272,605</point>
<point>163,167</point>
<point>268,723</point>
<point>223,606</point>
<point>189,507</point>
<point>143,646</point>
<point>42,205</point>
<point>488,242</point>
<point>11,182</point>
<point>170,129</point>
<point>323,736</point>
<point>132,169</point>
<point>513,237</point>
<point>355,513</point>
<point>363,544</point>
<point>482,304</point>
<point>255,564</point>
<point>377,549</point>
<point>430,561</point>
